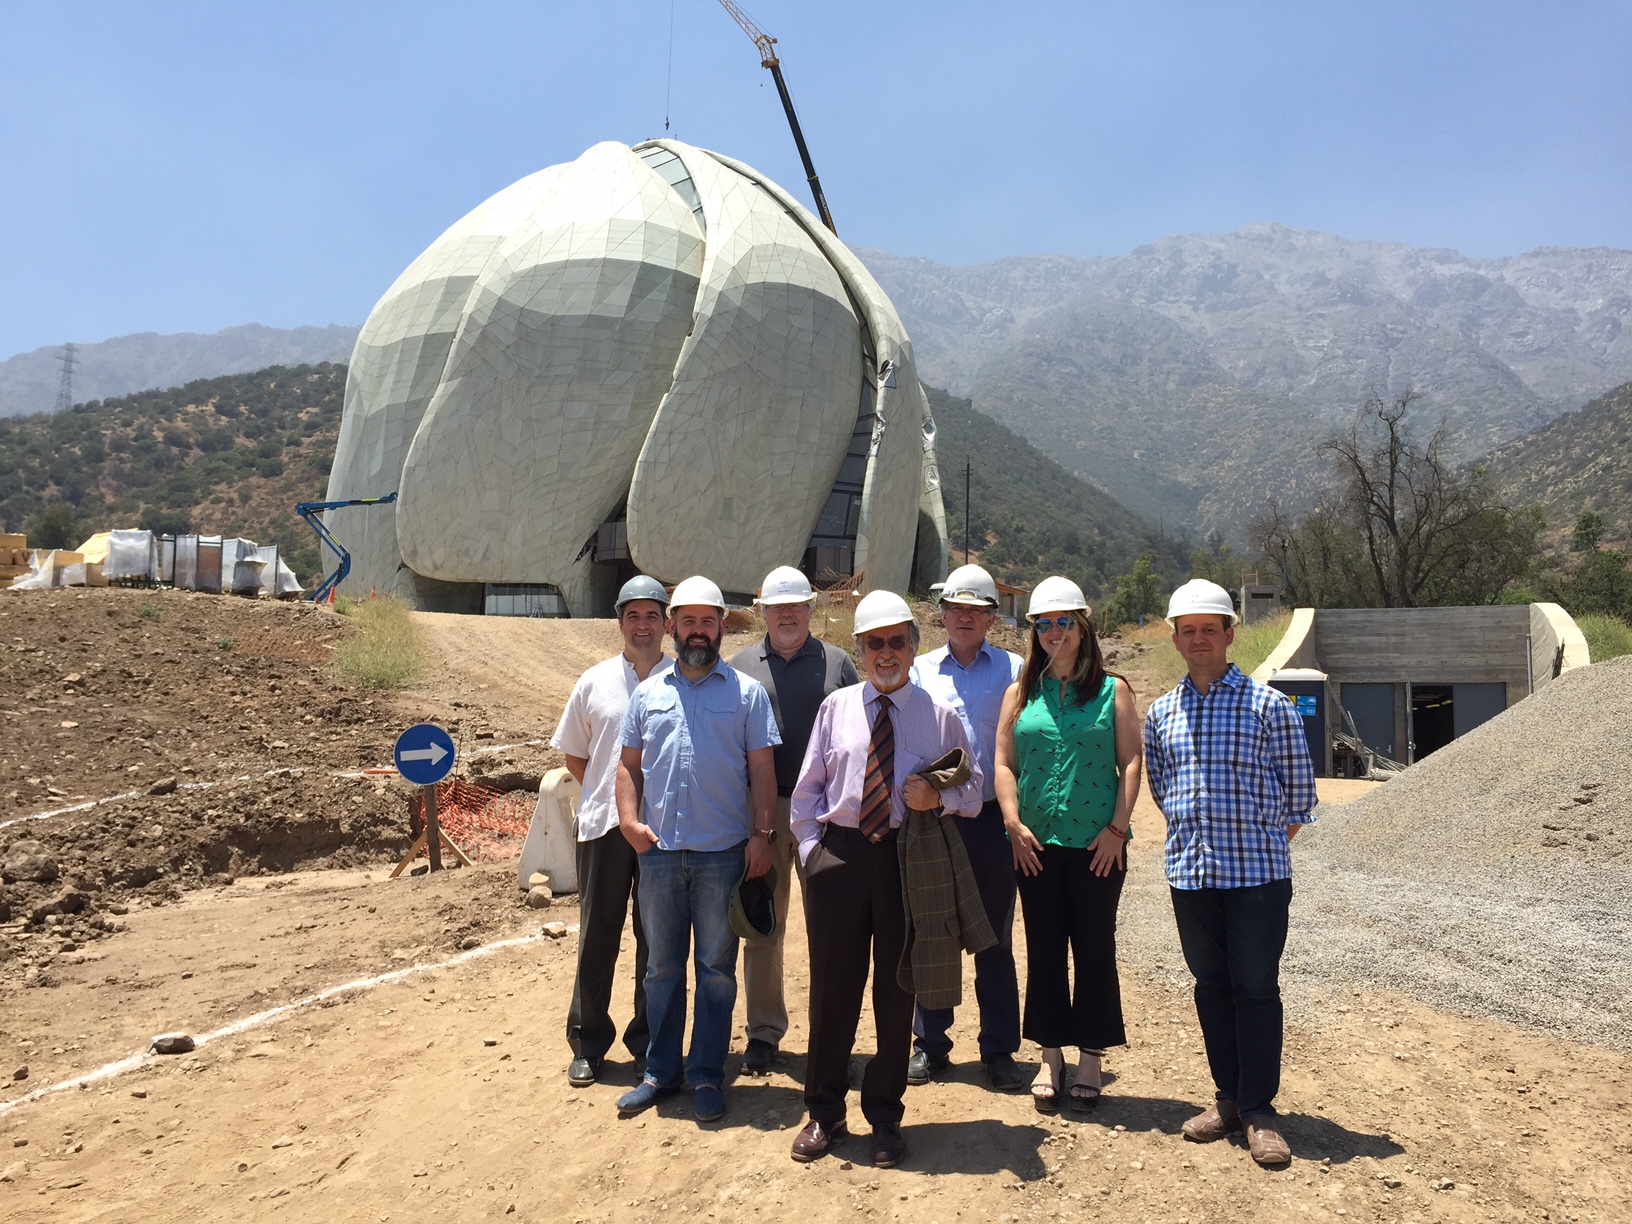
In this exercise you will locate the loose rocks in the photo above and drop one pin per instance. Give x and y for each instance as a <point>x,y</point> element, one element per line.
<point>539,897</point>
<point>172,1043</point>
<point>28,861</point>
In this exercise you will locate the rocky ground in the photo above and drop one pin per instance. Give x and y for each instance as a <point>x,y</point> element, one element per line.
<point>259,884</point>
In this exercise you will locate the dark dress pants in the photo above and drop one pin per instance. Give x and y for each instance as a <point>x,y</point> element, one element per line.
<point>1232,940</point>
<point>608,879</point>
<point>854,916</point>
<point>997,991</point>
<point>1070,910</point>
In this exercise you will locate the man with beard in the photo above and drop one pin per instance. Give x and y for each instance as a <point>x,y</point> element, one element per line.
<point>799,672</point>
<point>971,675</point>
<point>859,779</point>
<point>588,734</point>
<point>697,800</point>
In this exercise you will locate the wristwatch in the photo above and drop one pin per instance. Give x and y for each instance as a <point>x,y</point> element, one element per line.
<point>768,834</point>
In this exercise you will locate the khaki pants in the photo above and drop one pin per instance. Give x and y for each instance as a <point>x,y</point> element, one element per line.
<point>762,959</point>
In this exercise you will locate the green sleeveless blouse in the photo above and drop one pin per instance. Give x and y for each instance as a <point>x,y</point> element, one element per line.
<point>1067,764</point>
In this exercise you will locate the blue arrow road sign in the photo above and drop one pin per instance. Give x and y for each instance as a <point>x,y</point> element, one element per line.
<point>425,754</point>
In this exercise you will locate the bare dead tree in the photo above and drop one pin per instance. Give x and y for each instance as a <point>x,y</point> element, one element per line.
<point>1407,500</point>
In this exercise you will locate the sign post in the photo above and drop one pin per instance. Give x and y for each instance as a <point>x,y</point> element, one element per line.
<point>425,755</point>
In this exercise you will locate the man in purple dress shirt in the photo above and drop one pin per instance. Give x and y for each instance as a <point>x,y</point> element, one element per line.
<point>858,780</point>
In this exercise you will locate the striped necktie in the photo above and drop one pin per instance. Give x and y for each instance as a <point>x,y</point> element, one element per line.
<point>875,788</point>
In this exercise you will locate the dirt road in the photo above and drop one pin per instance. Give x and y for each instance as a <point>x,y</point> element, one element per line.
<point>442,1091</point>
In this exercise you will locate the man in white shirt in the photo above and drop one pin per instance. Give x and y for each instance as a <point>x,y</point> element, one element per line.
<point>607,873</point>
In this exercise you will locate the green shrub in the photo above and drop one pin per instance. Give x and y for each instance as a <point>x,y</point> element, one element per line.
<point>1254,642</point>
<point>1608,637</point>
<point>385,652</point>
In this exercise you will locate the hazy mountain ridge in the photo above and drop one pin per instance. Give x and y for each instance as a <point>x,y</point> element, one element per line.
<point>1581,461</point>
<point>147,360</point>
<point>1202,369</point>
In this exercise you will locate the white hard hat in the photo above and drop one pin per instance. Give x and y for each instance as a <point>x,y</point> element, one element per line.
<point>1056,594</point>
<point>881,609</point>
<point>785,585</point>
<point>697,590</point>
<point>969,584</point>
<point>1198,597</point>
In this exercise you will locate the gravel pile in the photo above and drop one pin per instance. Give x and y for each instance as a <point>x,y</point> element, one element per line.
<point>1549,782</point>
<point>1492,878</point>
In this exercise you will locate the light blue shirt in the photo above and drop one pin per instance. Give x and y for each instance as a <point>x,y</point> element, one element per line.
<point>975,693</point>
<point>694,741</point>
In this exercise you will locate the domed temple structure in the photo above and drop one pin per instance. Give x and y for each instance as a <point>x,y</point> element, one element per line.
<point>649,360</point>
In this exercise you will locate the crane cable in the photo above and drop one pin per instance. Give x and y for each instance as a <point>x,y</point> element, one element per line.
<point>668,92</point>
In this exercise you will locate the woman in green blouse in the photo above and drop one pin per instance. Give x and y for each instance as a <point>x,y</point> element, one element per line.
<point>1068,768</point>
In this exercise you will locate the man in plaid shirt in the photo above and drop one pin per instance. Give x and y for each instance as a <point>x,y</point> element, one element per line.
<point>1229,766</point>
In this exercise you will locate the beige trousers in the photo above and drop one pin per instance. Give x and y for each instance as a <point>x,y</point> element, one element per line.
<point>762,959</point>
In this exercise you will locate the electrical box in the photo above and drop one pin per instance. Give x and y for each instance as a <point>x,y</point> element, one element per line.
<point>1310,692</point>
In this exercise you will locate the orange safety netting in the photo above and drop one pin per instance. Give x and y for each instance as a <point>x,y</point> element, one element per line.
<point>487,824</point>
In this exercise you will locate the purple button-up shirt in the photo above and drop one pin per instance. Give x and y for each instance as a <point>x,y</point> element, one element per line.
<point>829,789</point>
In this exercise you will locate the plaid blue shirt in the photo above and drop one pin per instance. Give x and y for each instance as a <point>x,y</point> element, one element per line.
<point>1230,772</point>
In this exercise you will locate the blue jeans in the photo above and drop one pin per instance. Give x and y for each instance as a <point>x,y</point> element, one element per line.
<point>685,893</point>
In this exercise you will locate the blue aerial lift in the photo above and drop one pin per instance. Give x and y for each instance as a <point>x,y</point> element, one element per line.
<point>309,511</point>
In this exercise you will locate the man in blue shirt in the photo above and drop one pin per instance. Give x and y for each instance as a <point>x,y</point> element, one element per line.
<point>1229,766</point>
<point>971,675</point>
<point>696,794</point>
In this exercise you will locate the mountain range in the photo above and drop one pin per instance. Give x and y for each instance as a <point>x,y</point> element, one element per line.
<point>1190,379</point>
<point>29,381</point>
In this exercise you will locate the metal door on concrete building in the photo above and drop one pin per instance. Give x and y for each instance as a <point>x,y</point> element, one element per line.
<point>1371,706</point>
<point>1472,704</point>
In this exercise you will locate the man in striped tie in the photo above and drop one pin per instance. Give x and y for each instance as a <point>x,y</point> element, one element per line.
<point>858,780</point>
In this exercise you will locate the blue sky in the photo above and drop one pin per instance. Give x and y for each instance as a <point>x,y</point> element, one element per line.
<point>190,166</point>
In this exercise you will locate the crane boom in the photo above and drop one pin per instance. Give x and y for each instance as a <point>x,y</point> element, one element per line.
<point>768,59</point>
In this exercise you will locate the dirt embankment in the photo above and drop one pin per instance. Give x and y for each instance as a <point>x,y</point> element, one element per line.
<point>223,736</point>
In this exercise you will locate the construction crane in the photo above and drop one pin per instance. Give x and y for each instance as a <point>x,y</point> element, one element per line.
<point>768,59</point>
<point>309,511</point>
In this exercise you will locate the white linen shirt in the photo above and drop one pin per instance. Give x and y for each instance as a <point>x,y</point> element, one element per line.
<point>590,727</point>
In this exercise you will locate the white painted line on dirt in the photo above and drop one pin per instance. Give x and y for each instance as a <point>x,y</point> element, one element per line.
<point>134,1061</point>
<point>91,803</point>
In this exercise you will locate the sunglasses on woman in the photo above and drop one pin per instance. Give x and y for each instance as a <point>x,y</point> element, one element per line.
<point>897,642</point>
<point>1045,623</point>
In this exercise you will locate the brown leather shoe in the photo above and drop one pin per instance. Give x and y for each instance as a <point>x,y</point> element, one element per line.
<point>888,1147</point>
<point>812,1142</point>
<point>1265,1143</point>
<point>1217,1122</point>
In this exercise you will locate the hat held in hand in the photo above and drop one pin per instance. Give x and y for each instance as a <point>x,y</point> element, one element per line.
<point>753,906</point>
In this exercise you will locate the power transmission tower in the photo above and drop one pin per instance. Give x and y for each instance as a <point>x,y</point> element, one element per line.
<point>65,388</point>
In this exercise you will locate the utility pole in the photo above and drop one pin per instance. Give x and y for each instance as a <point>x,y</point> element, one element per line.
<point>65,388</point>
<point>967,469</point>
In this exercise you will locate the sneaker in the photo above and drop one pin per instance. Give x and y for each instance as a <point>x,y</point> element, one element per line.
<point>756,1059</point>
<point>1002,1073</point>
<point>708,1102</point>
<point>923,1065</point>
<point>643,1096</point>
<point>1217,1122</point>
